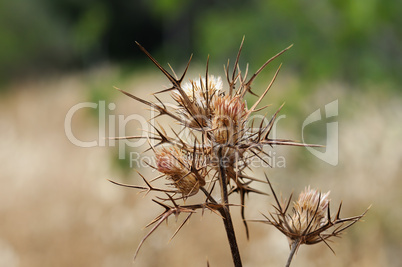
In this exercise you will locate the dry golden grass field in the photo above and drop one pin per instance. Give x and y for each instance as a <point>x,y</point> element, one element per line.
<point>58,209</point>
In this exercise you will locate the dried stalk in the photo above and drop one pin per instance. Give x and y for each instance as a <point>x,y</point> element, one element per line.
<point>225,212</point>
<point>293,249</point>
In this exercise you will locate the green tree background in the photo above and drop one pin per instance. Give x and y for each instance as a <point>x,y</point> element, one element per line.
<point>351,41</point>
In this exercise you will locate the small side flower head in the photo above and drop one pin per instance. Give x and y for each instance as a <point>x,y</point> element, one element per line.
<point>309,212</point>
<point>177,167</point>
<point>310,221</point>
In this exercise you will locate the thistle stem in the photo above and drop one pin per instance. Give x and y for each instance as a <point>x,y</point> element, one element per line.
<point>293,249</point>
<point>225,212</point>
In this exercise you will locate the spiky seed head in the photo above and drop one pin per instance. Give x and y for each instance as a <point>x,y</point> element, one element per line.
<point>188,185</point>
<point>228,119</point>
<point>176,166</point>
<point>310,222</point>
<point>196,90</point>
<point>202,98</point>
<point>170,160</point>
<point>309,211</point>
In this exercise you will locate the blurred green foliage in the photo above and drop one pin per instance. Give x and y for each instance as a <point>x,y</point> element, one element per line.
<point>29,33</point>
<point>350,40</point>
<point>44,36</point>
<point>354,41</point>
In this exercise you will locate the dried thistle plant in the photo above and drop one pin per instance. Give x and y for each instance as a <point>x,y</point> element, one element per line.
<point>310,221</point>
<point>221,140</point>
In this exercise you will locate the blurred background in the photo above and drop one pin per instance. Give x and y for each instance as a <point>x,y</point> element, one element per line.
<point>57,207</point>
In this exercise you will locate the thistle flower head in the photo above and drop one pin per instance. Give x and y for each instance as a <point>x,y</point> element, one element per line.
<point>311,221</point>
<point>201,96</point>
<point>228,119</point>
<point>170,160</point>
<point>309,211</point>
<point>176,166</point>
<point>197,90</point>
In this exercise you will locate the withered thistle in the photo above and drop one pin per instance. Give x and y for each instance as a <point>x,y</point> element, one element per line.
<point>221,139</point>
<point>310,221</point>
